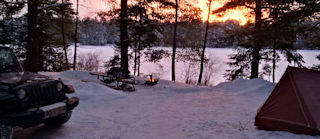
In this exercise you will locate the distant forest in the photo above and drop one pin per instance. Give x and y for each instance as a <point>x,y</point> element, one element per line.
<point>97,31</point>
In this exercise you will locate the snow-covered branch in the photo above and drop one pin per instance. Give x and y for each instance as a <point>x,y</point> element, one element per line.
<point>55,5</point>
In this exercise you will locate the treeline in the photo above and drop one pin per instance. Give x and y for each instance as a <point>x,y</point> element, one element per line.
<point>97,31</point>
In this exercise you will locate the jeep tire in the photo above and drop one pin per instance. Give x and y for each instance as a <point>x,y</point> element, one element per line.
<point>59,120</point>
<point>6,132</point>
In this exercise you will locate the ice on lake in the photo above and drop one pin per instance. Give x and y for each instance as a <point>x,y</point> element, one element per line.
<point>219,56</point>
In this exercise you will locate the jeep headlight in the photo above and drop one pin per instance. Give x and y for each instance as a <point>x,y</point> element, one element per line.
<point>21,94</point>
<point>59,87</point>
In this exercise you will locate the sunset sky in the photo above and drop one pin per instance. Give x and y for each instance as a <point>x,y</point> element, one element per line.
<point>88,8</point>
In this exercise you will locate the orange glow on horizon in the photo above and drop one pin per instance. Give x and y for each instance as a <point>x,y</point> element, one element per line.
<point>241,14</point>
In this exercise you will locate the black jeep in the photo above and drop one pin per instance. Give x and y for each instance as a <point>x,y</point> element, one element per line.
<point>28,99</point>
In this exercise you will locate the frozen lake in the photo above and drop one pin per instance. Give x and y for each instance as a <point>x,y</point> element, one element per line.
<point>219,56</point>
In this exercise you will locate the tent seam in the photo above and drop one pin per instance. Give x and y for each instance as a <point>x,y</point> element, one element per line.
<point>299,99</point>
<point>285,121</point>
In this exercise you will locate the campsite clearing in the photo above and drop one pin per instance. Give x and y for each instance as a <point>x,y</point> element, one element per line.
<point>169,110</point>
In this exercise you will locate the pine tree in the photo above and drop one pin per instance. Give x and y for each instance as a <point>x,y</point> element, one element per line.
<point>7,21</point>
<point>52,46</point>
<point>96,31</point>
<point>13,28</point>
<point>312,39</point>
<point>32,62</point>
<point>144,28</point>
<point>124,35</point>
<point>144,31</point>
<point>45,46</point>
<point>64,38</point>
<point>280,29</point>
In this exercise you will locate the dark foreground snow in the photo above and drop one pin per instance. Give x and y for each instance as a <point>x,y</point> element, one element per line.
<point>166,111</point>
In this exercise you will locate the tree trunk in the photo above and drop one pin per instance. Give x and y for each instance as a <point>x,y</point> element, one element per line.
<point>64,39</point>
<point>135,58</point>
<point>139,41</point>
<point>41,57</point>
<point>75,38</point>
<point>204,45</point>
<point>139,54</point>
<point>256,49</point>
<point>174,47</point>
<point>274,62</point>
<point>32,54</point>
<point>124,35</point>
<point>255,63</point>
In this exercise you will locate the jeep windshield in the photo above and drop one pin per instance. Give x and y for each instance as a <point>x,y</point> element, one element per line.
<point>8,61</point>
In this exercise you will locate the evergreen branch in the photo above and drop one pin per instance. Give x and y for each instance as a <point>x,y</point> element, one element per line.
<point>234,4</point>
<point>164,2</point>
<point>55,5</point>
<point>249,7</point>
<point>314,26</point>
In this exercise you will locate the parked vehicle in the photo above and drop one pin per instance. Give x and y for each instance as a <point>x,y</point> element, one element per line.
<point>28,99</point>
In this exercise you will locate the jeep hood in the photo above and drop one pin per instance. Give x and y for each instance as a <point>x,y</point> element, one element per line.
<point>16,78</point>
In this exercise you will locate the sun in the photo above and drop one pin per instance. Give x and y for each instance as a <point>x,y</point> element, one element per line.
<point>241,14</point>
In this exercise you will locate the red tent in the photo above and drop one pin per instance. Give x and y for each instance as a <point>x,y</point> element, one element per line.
<point>294,104</point>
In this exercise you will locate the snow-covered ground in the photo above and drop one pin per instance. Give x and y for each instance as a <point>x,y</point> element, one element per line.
<point>169,110</point>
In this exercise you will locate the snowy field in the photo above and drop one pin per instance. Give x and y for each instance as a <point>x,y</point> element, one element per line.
<point>163,68</point>
<point>169,110</point>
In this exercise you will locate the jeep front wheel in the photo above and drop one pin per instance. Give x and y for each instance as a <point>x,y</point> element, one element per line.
<point>59,120</point>
<point>6,132</point>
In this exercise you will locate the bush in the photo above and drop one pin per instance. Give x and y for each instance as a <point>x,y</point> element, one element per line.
<point>89,62</point>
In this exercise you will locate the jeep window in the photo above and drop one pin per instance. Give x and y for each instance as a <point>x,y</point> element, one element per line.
<point>8,61</point>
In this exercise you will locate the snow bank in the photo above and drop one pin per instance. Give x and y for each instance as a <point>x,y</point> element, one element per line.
<point>84,82</point>
<point>244,86</point>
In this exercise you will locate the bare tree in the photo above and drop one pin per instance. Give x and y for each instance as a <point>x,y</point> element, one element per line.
<point>210,69</point>
<point>190,73</point>
<point>89,62</point>
<point>204,44</point>
<point>174,47</point>
<point>75,38</point>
